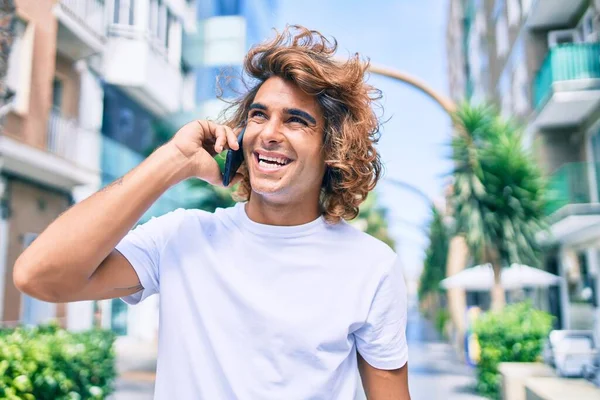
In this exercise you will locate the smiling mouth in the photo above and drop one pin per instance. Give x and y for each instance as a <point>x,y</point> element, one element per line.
<point>271,162</point>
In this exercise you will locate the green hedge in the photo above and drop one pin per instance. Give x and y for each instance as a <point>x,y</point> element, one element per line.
<point>515,334</point>
<point>50,363</point>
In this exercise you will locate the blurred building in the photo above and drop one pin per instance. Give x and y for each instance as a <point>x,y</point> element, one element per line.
<point>539,62</point>
<point>226,29</point>
<point>95,84</point>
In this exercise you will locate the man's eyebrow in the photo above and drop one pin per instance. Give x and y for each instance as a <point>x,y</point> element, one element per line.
<point>300,113</point>
<point>257,106</point>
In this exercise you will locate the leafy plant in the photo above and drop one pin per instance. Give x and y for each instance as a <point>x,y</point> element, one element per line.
<point>436,255</point>
<point>50,363</point>
<point>513,334</point>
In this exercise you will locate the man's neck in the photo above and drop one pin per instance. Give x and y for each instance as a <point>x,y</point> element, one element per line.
<point>263,211</point>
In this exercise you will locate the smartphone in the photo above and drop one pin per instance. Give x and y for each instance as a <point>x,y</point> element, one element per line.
<point>234,160</point>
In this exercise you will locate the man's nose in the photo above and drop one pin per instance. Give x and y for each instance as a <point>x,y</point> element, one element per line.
<point>271,132</point>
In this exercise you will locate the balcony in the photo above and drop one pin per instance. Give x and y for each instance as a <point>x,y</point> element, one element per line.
<point>81,28</point>
<point>574,211</point>
<point>69,158</point>
<point>550,14</point>
<point>118,160</point>
<point>142,67</point>
<point>567,87</point>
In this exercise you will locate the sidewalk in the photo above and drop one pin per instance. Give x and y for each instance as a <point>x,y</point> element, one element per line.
<point>434,370</point>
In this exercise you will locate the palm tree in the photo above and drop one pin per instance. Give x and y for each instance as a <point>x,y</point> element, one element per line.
<point>499,194</point>
<point>436,255</point>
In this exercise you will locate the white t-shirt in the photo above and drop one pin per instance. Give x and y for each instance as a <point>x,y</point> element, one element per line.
<point>253,311</point>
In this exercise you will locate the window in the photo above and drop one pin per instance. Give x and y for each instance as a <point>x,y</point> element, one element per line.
<point>556,38</point>
<point>162,22</point>
<point>153,18</point>
<point>170,21</point>
<point>586,26</point>
<point>57,94</point>
<point>20,61</point>
<point>118,317</point>
<point>124,12</point>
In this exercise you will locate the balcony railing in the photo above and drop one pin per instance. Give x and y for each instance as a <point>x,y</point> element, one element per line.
<point>62,136</point>
<point>567,62</point>
<point>89,13</point>
<point>572,184</point>
<point>68,140</point>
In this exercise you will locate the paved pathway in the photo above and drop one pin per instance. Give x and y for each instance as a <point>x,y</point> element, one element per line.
<point>433,369</point>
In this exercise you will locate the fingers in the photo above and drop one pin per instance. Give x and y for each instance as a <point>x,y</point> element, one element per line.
<point>220,138</point>
<point>224,137</point>
<point>232,139</point>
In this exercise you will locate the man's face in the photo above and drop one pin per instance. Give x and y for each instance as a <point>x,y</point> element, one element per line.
<point>283,143</point>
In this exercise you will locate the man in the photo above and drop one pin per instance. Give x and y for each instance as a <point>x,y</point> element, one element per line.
<point>276,297</point>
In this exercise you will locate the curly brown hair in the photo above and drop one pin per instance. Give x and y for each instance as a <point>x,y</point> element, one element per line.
<point>306,58</point>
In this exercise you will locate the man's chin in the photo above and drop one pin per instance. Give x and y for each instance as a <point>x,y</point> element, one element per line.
<point>267,187</point>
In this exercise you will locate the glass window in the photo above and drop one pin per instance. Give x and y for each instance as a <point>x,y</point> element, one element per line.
<point>57,94</point>
<point>124,12</point>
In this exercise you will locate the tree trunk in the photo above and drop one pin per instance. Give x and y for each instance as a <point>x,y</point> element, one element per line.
<point>7,18</point>
<point>497,293</point>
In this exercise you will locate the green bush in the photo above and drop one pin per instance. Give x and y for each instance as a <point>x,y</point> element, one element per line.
<point>515,334</point>
<point>50,363</point>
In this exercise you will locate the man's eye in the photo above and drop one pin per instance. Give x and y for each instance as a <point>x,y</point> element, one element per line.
<point>299,120</point>
<point>257,114</point>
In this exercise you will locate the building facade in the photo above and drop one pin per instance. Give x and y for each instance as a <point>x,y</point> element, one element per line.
<point>95,82</point>
<point>538,62</point>
<point>226,30</point>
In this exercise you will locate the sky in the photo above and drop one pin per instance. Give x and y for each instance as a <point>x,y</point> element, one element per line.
<point>407,35</point>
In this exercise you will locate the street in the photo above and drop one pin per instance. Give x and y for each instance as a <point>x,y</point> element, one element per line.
<point>434,370</point>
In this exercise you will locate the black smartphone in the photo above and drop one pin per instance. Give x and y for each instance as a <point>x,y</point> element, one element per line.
<point>234,160</point>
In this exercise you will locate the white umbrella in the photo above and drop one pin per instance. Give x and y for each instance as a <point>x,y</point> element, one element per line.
<point>481,277</point>
<point>519,276</point>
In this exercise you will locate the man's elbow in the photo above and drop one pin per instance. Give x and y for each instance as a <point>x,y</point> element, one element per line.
<point>27,281</point>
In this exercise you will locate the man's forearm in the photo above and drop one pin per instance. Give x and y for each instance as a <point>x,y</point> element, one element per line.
<point>68,252</point>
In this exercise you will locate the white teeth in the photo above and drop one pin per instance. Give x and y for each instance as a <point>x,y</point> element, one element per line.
<point>265,164</point>
<point>281,161</point>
